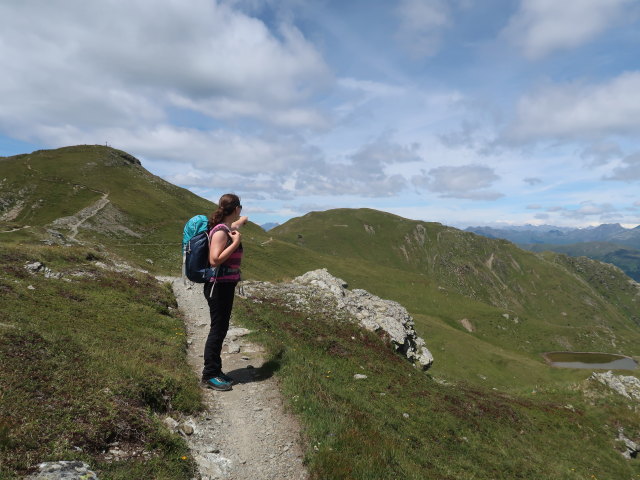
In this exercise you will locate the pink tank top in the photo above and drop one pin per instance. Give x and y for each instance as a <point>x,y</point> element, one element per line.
<point>229,271</point>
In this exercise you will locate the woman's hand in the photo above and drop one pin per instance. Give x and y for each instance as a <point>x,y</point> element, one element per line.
<point>240,222</point>
<point>219,250</point>
<point>236,236</point>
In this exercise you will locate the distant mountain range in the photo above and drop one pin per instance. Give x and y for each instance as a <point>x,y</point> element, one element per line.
<point>611,243</point>
<point>268,226</point>
<point>548,234</point>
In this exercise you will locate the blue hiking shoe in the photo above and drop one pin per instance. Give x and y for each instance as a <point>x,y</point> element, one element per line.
<point>226,378</point>
<point>217,383</point>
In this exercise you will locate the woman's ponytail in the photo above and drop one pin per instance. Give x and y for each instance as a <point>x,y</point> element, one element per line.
<point>227,204</point>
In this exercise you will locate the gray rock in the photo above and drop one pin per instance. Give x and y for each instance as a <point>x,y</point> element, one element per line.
<point>319,287</point>
<point>171,423</point>
<point>63,471</point>
<point>34,267</point>
<point>238,332</point>
<point>214,465</point>
<point>324,280</point>
<point>632,448</point>
<point>626,386</point>
<point>186,429</point>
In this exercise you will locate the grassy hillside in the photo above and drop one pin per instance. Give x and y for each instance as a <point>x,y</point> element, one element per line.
<point>514,299</point>
<point>141,220</point>
<point>400,423</point>
<point>627,259</point>
<point>90,356</point>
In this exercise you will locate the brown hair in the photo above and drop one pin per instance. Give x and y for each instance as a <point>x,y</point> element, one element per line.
<point>227,204</point>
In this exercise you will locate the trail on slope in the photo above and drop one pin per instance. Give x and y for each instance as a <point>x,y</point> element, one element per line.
<point>245,433</point>
<point>86,213</point>
<point>73,222</point>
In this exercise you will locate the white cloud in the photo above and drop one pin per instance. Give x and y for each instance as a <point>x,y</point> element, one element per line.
<point>589,209</point>
<point>100,64</point>
<point>629,171</point>
<point>468,182</point>
<point>586,210</point>
<point>600,153</point>
<point>214,150</point>
<point>532,181</point>
<point>541,27</point>
<point>281,167</point>
<point>374,156</point>
<point>421,25</point>
<point>576,110</point>
<point>364,172</point>
<point>465,136</point>
<point>371,88</point>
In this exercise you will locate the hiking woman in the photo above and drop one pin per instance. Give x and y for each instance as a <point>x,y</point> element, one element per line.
<point>225,252</point>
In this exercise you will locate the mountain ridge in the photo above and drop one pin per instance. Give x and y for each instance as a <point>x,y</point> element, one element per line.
<point>610,243</point>
<point>548,234</point>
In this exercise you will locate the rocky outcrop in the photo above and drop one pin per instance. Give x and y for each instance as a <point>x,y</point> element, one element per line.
<point>320,288</point>
<point>39,267</point>
<point>631,448</point>
<point>626,386</point>
<point>63,471</point>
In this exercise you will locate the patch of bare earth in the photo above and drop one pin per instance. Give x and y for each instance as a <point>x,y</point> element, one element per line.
<point>245,433</point>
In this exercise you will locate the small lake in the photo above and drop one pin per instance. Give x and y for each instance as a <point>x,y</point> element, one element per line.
<point>590,360</point>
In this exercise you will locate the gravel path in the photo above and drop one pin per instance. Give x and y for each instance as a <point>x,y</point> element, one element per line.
<point>74,221</point>
<point>243,434</point>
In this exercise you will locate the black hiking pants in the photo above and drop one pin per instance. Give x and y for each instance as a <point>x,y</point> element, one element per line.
<point>220,304</point>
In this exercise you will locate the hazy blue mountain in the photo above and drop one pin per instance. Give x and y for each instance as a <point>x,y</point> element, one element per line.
<point>268,226</point>
<point>547,234</point>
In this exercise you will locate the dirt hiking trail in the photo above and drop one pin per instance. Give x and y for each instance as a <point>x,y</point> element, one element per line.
<point>245,433</point>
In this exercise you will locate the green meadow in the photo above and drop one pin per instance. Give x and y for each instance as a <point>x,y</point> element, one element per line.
<point>89,359</point>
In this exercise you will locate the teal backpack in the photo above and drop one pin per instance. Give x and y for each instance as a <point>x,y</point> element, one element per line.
<point>195,250</point>
<point>193,227</point>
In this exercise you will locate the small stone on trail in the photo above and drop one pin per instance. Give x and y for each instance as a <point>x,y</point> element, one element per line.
<point>238,332</point>
<point>170,423</point>
<point>186,429</point>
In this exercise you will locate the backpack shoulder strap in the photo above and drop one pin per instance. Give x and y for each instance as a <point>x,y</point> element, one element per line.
<point>217,228</point>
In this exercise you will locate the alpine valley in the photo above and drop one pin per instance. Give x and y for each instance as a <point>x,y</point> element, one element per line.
<point>91,348</point>
<point>610,243</point>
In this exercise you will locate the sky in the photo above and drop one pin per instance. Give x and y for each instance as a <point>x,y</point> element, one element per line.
<point>463,112</point>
